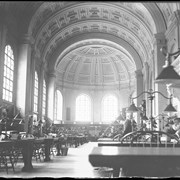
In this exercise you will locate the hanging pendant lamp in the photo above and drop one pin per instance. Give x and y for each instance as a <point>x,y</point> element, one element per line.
<point>132,108</point>
<point>170,108</point>
<point>168,75</point>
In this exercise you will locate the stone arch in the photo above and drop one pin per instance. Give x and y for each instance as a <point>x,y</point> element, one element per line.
<point>80,37</point>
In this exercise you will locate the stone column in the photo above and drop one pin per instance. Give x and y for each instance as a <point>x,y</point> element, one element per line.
<point>51,88</point>
<point>24,78</point>
<point>146,78</point>
<point>139,89</point>
<point>160,102</point>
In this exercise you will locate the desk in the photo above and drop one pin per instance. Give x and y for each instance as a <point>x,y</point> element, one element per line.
<point>136,161</point>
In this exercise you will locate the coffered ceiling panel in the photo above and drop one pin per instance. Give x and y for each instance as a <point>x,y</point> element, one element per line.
<point>96,64</point>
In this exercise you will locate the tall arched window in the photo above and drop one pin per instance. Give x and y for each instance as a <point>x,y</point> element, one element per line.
<point>36,92</point>
<point>8,75</point>
<point>109,108</point>
<point>83,108</point>
<point>44,99</point>
<point>58,106</point>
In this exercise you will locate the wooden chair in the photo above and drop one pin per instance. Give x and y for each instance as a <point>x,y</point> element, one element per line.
<point>38,151</point>
<point>7,158</point>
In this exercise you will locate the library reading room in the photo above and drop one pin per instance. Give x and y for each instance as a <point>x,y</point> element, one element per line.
<point>89,89</point>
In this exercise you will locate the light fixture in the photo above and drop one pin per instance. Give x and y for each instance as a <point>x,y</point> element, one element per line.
<point>132,108</point>
<point>170,108</point>
<point>144,117</point>
<point>120,118</point>
<point>168,74</point>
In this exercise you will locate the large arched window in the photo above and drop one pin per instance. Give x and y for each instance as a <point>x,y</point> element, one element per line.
<point>36,93</point>
<point>58,106</point>
<point>8,75</point>
<point>44,99</point>
<point>109,108</point>
<point>83,108</point>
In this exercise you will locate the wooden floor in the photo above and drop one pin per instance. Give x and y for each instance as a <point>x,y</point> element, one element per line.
<point>74,165</point>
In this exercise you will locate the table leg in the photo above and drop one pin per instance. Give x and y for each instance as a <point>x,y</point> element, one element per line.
<point>58,147</point>
<point>27,152</point>
<point>47,151</point>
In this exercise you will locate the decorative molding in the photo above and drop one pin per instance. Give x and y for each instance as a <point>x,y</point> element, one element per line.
<point>58,27</point>
<point>111,66</point>
<point>27,39</point>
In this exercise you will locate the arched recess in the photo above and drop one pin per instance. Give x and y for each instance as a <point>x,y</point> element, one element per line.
<point>157,17</point>
<point>80,37</point>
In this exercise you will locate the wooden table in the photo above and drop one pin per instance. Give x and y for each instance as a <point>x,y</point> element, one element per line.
<point>138,144</point>
<point>137,161</point>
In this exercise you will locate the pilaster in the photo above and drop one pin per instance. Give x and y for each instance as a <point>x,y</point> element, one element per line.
<point>24,78</point>
<point>51,89</point>
<point>3,35</point>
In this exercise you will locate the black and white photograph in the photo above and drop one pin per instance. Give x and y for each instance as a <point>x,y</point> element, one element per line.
<point>89,89</point>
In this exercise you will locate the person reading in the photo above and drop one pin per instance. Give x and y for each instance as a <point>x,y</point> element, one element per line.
<point>174,128</point>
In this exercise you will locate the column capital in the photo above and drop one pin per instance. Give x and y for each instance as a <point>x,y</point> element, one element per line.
<point>146,65</point>
<point>27,39</point>
<point>159,38</point>
<point>52,74</point>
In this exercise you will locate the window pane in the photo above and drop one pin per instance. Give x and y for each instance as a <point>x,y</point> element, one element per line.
<point>83,108</point>
<point>58,106</point>
<point>109,108</point>
<point>44,99</point>
<point>35,92</point>
<point>8,74</point>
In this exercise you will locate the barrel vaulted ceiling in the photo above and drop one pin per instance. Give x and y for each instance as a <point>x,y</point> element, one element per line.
<point>95,43</point>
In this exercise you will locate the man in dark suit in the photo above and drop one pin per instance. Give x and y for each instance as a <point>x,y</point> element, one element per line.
<point>127,126</point>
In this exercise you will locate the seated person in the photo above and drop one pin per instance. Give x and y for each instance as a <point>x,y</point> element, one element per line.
<point>174,129</point>
<point>127,126</point>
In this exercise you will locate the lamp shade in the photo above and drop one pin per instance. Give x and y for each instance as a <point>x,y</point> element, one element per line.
<point>170,108</point>
<point>168,75</point>
<point>145,118</point>
<point>132,108</point>
<point>120,117</point>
